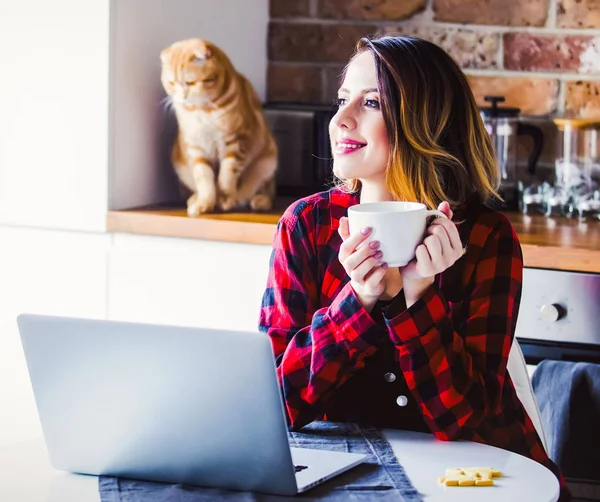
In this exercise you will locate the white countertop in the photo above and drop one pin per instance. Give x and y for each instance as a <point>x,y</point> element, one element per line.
<point>27,476</point>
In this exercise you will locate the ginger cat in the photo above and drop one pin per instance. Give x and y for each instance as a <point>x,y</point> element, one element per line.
<point>224,152</point>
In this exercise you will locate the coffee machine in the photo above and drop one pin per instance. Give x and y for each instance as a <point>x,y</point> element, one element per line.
<point>503,125</point>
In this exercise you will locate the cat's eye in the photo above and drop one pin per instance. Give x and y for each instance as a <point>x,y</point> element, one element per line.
<point>190,82</point>
<point>171,83</point>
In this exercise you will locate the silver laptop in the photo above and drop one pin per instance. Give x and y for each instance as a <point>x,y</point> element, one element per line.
<point>171,404</point>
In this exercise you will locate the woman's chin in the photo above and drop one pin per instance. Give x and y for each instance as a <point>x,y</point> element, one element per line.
<point>345,170</point>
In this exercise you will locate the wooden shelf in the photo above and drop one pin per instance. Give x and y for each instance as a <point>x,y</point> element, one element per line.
<point>561,243</point>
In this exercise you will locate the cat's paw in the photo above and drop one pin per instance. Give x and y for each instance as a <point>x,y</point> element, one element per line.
<point>261,202</point>
<point>226,202</point>
<point>198,205</point>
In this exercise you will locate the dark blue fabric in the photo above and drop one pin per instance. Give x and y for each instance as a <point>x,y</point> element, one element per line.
<point>568,395</point>
<point>380,479</point>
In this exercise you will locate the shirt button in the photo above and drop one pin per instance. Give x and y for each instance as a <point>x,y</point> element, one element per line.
<point>389,377</point>
<point>401,400</point>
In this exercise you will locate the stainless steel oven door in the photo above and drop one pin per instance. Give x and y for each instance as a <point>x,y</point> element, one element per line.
<point>559,317</point>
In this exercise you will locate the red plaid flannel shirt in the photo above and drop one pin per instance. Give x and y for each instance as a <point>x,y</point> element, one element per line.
<point>451,346</point>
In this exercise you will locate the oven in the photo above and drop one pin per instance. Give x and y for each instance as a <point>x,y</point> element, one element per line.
<point>559,317</point>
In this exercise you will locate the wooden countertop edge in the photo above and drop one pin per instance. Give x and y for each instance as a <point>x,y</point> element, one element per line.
<point>561,258</point>
<point>246,232</point>
<point>256,232</point>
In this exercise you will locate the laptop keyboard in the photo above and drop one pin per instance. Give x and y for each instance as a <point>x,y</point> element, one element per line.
<point>298,468</point>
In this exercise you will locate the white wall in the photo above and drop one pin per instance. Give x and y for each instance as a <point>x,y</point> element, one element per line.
<point>141,130</point>
<point>54,113</point>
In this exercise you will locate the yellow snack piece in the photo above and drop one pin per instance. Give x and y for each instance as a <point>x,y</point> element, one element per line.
<point>469,476</point>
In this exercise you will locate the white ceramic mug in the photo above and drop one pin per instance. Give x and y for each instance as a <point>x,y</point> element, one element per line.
<point>398,226</point>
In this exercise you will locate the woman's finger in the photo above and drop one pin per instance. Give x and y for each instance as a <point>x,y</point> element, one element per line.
<point>452,232</point>
<point>361,254</point>
<point>444,207</point>
<point>424,265</point>
<point>351,243</point>
<point>344,228</point>
<point>441,232</point>
<point>359,273</point>
<point>434,248</point>
<point>374,280</point>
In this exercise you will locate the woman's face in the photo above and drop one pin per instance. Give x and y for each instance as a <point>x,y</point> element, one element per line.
<point>357,132</point>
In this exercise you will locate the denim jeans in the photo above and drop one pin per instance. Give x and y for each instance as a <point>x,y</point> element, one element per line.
<point>380,479</point>
<point>568,395</point>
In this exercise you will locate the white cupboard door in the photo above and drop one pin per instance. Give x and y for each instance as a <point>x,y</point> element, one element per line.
<point>42,272</point>
<point>187,282</point>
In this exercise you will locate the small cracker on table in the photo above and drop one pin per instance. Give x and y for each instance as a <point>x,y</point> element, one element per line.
<point>470,476</point>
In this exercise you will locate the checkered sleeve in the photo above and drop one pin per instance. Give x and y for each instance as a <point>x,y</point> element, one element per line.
<point>316,347</point>
<point>457,373</point>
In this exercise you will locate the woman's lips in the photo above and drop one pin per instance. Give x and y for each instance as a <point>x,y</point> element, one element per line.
<point>345,147</point>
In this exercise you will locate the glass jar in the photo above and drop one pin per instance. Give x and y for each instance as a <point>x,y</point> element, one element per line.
<point>578,160</point>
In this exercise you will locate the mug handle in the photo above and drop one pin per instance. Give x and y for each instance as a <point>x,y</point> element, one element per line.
<point>436,213</point>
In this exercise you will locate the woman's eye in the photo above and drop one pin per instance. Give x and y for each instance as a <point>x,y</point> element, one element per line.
<point>372,103</point>
<point>340,101</point>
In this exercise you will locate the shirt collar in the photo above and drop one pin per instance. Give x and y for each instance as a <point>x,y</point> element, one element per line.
<point>339,203</point>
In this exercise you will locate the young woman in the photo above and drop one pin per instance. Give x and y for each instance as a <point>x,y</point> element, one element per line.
<point>423,347</point>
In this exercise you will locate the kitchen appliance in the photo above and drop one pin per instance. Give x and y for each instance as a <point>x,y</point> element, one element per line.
<point>559,316</point>
<point>301,132</point>
<point>503,125</point>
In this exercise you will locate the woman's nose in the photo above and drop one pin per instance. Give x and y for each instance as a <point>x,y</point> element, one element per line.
<point>344,118</point>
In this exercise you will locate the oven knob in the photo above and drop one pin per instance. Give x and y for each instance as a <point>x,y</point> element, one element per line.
<point>552,312</point>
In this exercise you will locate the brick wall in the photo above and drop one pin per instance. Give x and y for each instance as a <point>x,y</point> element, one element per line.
<point>543,55</point>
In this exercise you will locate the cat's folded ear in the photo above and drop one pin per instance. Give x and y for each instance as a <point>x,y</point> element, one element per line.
<point>203,53</point>
<point>164,55</point>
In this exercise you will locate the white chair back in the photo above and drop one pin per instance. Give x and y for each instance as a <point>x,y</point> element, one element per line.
<point>517,369</point>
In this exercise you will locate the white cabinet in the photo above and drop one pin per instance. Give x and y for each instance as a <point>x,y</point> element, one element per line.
<point>46,272</point>
<point>82,124</point>
<point>186,282</point>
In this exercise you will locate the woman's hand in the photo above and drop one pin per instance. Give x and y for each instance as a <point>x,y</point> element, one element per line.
<point>363,265</point>
<point>440,250</point>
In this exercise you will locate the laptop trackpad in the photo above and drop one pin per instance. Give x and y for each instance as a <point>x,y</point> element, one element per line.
<point>313,466</point>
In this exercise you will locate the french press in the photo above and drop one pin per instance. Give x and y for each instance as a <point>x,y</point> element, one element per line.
<point>503,125</point>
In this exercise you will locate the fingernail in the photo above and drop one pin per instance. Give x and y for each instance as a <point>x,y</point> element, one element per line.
<point>378,254</point>
<point>384,265</point>
<point>374,244</point>
<point>365,230</point>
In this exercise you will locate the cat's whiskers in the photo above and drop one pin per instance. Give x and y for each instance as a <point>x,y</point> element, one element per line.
<point>167,103</point>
